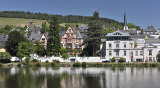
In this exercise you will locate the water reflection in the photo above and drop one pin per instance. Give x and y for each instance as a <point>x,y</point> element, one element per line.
<point>47,77</point>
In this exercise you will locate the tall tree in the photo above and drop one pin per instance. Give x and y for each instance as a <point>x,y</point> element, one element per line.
<point>14,38</point>
<point>93,40</point>
<point>45,27</point>
<point>53,45</point>
<point>96,15</point>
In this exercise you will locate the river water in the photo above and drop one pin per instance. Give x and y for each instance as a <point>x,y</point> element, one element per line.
<point>48,77</point>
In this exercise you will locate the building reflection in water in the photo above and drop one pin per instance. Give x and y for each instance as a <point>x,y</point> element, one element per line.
<point>44,77</point>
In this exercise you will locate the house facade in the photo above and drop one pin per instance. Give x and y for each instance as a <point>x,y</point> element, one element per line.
<point>72,40</point>
<point>35,35</point>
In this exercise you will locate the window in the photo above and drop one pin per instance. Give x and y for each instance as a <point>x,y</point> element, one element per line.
<point>150,52</point>
<point>76,46</point>
<point>124,53</point>
<point>110,45</point>
<point>141,53</point>
<point>124,45</point>
<point>136,53</point>
<point>117,53</point>
<point>110,53</point>
<point>139,60</point>
<point>117,45</point>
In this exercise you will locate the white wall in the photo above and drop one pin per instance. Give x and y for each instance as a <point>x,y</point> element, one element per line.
<point>121,49</point>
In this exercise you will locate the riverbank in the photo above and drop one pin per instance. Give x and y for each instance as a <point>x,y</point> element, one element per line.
<point>57,64</point>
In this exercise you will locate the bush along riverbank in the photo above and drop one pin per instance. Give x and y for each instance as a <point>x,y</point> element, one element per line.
<point>77,64</point>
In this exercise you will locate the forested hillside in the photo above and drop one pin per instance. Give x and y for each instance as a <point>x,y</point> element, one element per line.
<point>62,19</point>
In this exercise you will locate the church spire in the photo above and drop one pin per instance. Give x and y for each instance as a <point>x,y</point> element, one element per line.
<point>125,22</point>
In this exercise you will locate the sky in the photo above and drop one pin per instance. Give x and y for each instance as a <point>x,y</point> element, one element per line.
<point>140,12</point>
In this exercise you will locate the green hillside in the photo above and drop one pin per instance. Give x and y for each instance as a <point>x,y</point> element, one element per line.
<point>20,18</point>
<point>18,21</point>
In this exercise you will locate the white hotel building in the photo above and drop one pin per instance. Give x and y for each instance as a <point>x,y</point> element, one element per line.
<point>138,47</point>
<point>131,44</point>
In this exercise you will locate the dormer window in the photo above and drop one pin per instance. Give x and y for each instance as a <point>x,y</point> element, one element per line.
<point>43,38</point>
<point>117,33</point>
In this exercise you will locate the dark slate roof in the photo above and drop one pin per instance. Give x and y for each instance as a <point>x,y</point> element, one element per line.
<point>133,32</point>
<point>152,40</point>
<point>83,28</point>
<point>3,39</point>
<point>84,35</point>
<point>75,29</point>
<point>78,34</point>
<point>150,29</point>
<point>62,32</point>
<point>35,34</point>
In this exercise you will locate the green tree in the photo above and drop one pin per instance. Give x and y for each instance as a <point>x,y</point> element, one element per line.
<point>64,53</point>
<point>6,29</point>
<point>45,27</point>
<point>25,49</point>
<point>96,14</point>
<point>14,38</point>
<point>39,49</point>
<point>113,59</point>
<point>93,40</point>
<point>65,56</point>
<point>5,55</point>
<point>53,45</point>
<point>107,30</point>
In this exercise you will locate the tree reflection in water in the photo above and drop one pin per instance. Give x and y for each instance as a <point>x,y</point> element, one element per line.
<point>44,77</point>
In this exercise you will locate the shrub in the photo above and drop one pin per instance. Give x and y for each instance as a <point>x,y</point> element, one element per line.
<point>1,65</point>
<point>5,57</point>
<point>113,59</point>
<point>76,64</point>
<point>47,61</point>
<point>98,64</point>
<point>122,59</point>
<point>19,65</point>
<point>53,64</point>
<point>56,61</point>
<point>5,61</point>
<point>27,60</point>
<point>84,64</point>
<point>34,60</point>
<point>65,56</point>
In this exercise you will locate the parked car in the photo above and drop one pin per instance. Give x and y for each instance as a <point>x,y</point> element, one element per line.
<point>15,59</point>
<point>73,59</point>
<point>105,61</point>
